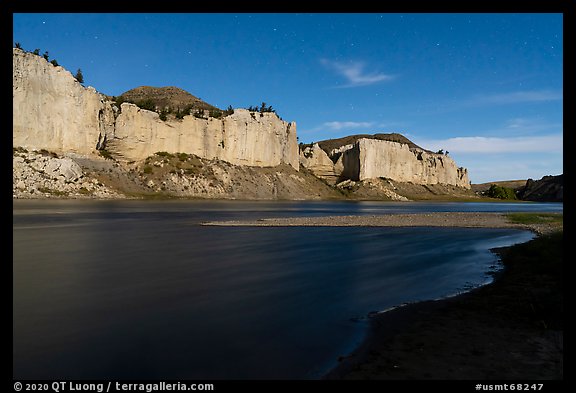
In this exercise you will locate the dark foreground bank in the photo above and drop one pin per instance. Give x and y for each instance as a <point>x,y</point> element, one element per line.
<point>511,329</point>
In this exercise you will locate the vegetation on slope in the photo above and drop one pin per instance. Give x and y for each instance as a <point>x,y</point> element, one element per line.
<point>171,101</point>
<point>331,144</point>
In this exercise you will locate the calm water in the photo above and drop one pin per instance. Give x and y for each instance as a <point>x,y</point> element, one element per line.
<point>137,289</point>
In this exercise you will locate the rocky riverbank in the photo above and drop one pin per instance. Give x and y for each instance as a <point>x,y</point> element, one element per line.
<point>46,175</point>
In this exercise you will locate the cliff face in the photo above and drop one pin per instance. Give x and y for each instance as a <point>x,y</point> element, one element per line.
<point>51,110</point>
<point>376,158</point>
<point>370,158</point>
<point>547,189</point>
<point>243,138</point>
<point>318,162</point>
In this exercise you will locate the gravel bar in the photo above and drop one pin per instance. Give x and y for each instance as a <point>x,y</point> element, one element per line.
<point>439,219</point>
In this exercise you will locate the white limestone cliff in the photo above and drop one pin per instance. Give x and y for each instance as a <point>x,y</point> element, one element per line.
<point>243,138</point>
<point>53,111</point>
<point>373,158</point>
<point>317,161</point>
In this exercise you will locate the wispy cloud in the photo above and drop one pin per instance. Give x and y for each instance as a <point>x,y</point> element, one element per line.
<point>485,145</point>
<point>490,99</point>
<point>346,125</point>
<point>516,97</point>
<point>355,73</point>
<point>360,126</point>
<point>527,125</point>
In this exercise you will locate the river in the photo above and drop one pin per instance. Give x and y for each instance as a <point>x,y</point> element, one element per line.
<point>140,290</point>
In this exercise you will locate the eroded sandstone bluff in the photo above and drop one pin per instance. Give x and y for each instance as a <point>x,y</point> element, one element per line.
<point>370,157</point>
<point>244,154</point>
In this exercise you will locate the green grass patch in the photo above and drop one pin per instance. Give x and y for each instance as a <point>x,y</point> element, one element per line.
<point>536,218</point>
<point>151,195</point>
<point>46,190</point>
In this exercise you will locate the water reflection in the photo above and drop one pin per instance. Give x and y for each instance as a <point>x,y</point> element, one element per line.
<point>132,289</point>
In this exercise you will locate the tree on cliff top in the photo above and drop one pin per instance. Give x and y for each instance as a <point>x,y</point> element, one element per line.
<point>262,108</point>
<point>79,77</point>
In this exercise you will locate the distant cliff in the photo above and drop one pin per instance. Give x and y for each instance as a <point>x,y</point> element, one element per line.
<point>547,189</point>
<point>368,157</point>
<point>52,110</point>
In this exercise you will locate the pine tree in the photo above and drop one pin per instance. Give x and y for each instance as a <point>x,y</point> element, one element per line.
<point>79,77</point>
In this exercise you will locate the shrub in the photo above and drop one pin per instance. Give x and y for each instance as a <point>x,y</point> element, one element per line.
<point>47,153</point>
<point>229,110</point>
<point>500,192</point>
<point>147,169</point>
<point>215,113</point>
<point>106,154</point>
<point>147,104</point>
<point>19,149</point>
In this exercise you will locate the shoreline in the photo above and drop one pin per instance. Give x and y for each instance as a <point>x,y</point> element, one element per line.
<point>494,332</point>
<point>509,329</point>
